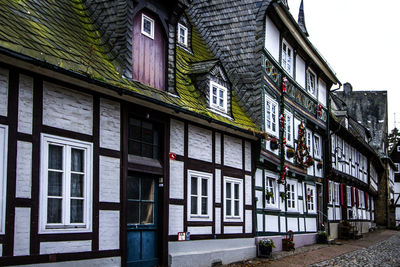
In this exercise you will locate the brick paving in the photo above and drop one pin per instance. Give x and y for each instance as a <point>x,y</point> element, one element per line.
<point>379,248</point>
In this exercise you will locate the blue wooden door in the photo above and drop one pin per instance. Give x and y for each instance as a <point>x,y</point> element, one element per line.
<point>142,220</point>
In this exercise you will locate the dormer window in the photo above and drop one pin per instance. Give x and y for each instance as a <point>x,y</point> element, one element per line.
<point>147,26</point>
<point>287,57</point>
<point>311,85</point>
<point>218,96</point>
<point>182,35</point>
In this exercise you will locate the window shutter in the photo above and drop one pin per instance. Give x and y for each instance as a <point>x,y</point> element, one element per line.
<point>352,196</point>
<point>341,195</point>
<point>366,200</point>
<point>357,198</point>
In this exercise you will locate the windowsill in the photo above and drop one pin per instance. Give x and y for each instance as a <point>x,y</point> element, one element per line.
<point>199,217</point>
<point>292,212</point>
<point>220,112</point>
<point>272,209</point>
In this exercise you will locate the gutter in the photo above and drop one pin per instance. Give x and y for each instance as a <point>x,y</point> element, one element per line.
<point>119,90</point>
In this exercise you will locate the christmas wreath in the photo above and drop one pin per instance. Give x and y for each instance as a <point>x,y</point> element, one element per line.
<point>303,157</point>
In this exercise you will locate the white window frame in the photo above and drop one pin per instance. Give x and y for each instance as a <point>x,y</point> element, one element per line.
<point>331,192</point>
<point>185,35</point>
<point>273,179</point>
<point>64,226</point>
<point>312,90</point>
<point>312,203</point>
<point>290,195</point>
<point>225,97</point>
<point>272,117</point>
<point>199,216</point>
<point>348,195</point>
<point>289,128</point>
<point>287,66</point>
<point>309,141</point>
<point>232,217</point>
<point>3,173</point>
<point>151,34</point>
<point>337,194</point>
<point>317,152</point>
<point>398,167</point>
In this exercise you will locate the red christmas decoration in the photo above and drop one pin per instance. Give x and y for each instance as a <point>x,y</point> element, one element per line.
<point>319,110</point>
<point>284,172</point>
<point>282,121</point>
<point>303,157</point>
<point>284,81</point>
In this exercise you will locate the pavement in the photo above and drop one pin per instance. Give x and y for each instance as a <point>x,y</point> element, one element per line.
<point>378,248</point>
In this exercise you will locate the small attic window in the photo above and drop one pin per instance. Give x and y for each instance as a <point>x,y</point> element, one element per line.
<point>182,35</point>
<point>147,26</point>
<point>218,96</point>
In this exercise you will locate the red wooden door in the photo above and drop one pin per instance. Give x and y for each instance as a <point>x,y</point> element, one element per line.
<point>148,54</point>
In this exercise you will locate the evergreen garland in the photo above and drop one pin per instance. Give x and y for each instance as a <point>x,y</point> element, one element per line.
<point>303,157</point>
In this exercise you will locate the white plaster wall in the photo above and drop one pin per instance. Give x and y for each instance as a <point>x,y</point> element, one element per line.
<point>247,160</point>
<point>300,71</point>
<point>109,262</point>
<point>177,133</point>
<point>322,92</point>
<point>22,231</point>
<point>233,152</point>
<point>271,223</point>
<point>330,213</point>
<point>3,91</point>
<point>108,229</point>
<point>260,227</point>
<point>218,148</point>
<point>248,190</point>
<point>233,229</point>
<point>110,127</point>
<point>65,246</point>
<point>283,224</point>
<point>259,178</point>
<point>338,214</point>
<point>217,186</point>
<point>25,104</point>
<point>301,206</point>
<point>24,170</point>
<point>272,37</point>
<point>67,109</point>
<point>217,220</point>
<point>200,230</point>
<point>293,224</point>
<point>301,223</point>
<point>311,224</point>
<point>249,221</point>
<point>200,143</point>
<point>259,196</point>
<point>398,213</point>
<point>109,179</point>
<point>1,250</point>
<point>176,179</point>
<point>176,221</point>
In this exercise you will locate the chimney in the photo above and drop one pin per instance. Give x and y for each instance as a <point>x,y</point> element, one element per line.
<point>347,88</point>
<point>301,21</point>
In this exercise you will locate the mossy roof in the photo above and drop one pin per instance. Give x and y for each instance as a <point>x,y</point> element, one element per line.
<point>60,33</point>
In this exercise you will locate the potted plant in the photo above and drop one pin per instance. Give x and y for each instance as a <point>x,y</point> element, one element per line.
<point>319,165</point>
<point>273,143</point>
<point>265,247</point>
<point>269,195</point>
<point>290,152</point>
<point>322,237</point>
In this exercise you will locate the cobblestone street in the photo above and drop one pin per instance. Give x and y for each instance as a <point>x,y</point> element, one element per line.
<point>379,248</point>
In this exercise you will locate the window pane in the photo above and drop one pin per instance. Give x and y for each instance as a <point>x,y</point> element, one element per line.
<point>228,207</point>
<point>147,189</point>
<point>214,100</point>
<point>147,26</point>
<point>147,213</point>
<point>77,160</point>
<point>134,147</point>
<point>204,206</point>
<point>55,183</point>
<point>147,151</point>
<point>214,89</point>
<point>221,94</point>
<point>228,190</point>
<point>193,208</point>
<point>193,185</point>
<point>54,209</point>
<point>55,157</point>
<point>134,128</point>
<point>236,207</point>
<point>147,132</point>
<point>133,212</point>
<point>133,187</point>
<point>76,210</point>
<point>221,102</point>
<point>236,191</point>
<point>76,185</point>
<point>204,187</point>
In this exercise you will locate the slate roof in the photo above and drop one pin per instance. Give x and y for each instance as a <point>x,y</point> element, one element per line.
<point>64,35</point>
<point>370,109</point>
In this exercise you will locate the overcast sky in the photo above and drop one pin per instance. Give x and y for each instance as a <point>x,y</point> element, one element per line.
<point>360,40</point>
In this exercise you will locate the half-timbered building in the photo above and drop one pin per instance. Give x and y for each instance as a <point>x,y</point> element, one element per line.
<point>285,83</point>
<point>395,157</point>
<point>120,133</point>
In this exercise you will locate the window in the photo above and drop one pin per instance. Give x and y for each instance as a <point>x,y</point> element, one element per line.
<point>330,192</point>
<point>141,198</point>
<point>311,85</point>
<point>200,195</point>
<point>398,167</point>
<point>291,195</point>
<point>348,194</point>
<point>287,57</point>
<point>143,138</point>
<point>3,175</point>
<point>337,194</point>
<point>311,199</point>
<point>317,147</point>
<point>271,192</point>
<point>398,148</point>
<point>147,26</point>
<point>289,127</point>
<point>309,141</point>
<point>66,185</point>
<point>182,35</point>
<point>218,96</point>
<point>271,116</point>
<point>233,198</point>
